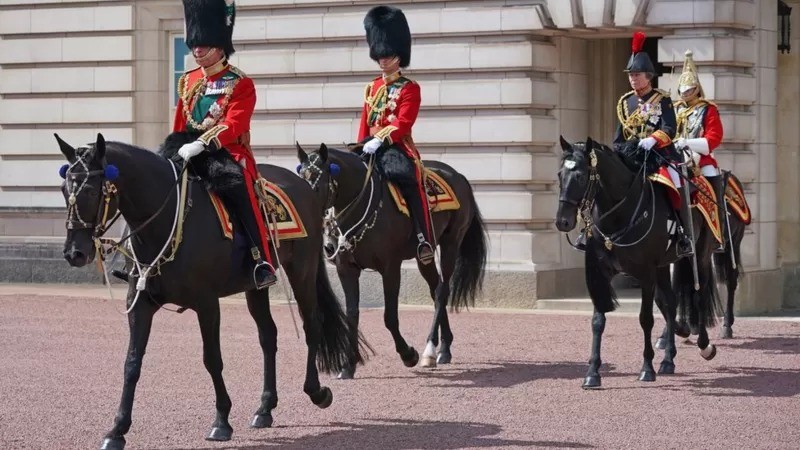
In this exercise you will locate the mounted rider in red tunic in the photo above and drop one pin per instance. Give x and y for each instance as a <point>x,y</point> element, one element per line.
<point>391,105</point>
<point>700,131</point>
<point>215,106</point>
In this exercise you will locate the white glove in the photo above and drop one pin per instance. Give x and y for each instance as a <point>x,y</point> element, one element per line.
<point>698,145</point>
<point>647,143</point>
<point>372,146</point>
<point>680,143</point>
<point>191,149</point>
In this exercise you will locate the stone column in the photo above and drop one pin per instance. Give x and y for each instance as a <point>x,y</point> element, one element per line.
<point>788,164</point>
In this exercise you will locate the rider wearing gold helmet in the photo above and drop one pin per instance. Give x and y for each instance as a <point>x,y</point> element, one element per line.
<point>700,130</point>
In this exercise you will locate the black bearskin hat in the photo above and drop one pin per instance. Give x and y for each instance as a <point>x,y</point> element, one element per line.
<point>388,34</point>
<point>209,23</point>
<point>639,61</point>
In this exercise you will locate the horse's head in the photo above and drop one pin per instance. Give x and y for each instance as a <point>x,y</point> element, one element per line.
<point>574,175</point>
<point>319,172</point>
<point>89,195</point>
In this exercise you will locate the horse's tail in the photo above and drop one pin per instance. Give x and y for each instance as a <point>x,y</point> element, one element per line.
<point>336,350</point>
<point>700,308</point>
<point>598,282</point>
<point>467,279</point>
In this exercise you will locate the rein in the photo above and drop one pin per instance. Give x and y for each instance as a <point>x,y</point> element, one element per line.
<point>588,203</point>
<point>332,219</point>
<point>106,246</point>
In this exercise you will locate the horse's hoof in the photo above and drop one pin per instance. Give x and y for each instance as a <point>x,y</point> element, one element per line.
<point>709,352</point>
<point>116,443</point>
<point>591,382</point>
<point>428,362</point>
<point>726,333</point>
<point>661,343</point>
<point>412,360</point>
<point>261,421</point>
<point>322,398</point>
<point>348,373</point>
<point>220,434</point>
<point>666,369</point>
<point>444,358</point>
<point>647,375</point>
<point>682,330</point>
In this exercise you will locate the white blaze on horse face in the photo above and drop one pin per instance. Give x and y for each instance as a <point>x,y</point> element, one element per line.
<point>569,164</point>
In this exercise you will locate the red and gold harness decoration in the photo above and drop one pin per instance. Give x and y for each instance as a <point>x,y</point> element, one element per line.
<point>737,202</point>
<point>662,177</point>
<point>222,214</point>
<point>273,200</point>
<point>706,204</point>
<point>440,195</point>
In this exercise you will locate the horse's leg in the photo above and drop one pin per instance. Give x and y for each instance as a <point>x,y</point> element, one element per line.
<point>665,299</point>
<point>431,276</point>
<point>661,342</point>
<point>391,290</point>
<point>646,321</point>
<point>140,321</point>
<point>209,317</point>
<point>348,276</point>
<point>731,283</point>
<point>306,293</point>
<point>258,305</point>
<point>727,328</point>
<point>592,379</point>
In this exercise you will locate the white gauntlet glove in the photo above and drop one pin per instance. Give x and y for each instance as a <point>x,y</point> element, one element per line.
<point>372,146</point>
<point>191,149</point>
<point>647,143</point>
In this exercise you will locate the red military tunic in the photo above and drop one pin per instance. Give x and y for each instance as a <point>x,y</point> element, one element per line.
<point>390,109</point>
<point>700,120</point>
<point>220,106</point>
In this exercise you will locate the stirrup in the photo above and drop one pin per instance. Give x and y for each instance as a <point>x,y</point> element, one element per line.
<point>269,279</point>
<point>424,250</point>
<point>683,241</point>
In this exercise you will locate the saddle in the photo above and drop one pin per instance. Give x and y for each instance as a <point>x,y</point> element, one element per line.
<point>440,195</point>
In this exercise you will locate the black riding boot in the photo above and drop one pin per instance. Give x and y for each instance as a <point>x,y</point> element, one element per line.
<point>237,198</point>
<point>718,183</point>
<point>685,246</point>
<point>415,205</point>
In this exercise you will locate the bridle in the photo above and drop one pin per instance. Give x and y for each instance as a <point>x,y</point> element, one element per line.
<point>74,185</point>
<point>587,204</point>
<point>345,240</point>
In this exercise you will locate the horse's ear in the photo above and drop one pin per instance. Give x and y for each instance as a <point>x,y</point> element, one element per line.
<point>589,143</point>
<point>100,148</point>
<point>66,149</point>
<point>566,146</point>
<point>323,152</point>
<point>301,154</point>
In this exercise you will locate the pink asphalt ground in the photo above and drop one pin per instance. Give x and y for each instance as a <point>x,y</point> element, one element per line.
<point>514,383</point>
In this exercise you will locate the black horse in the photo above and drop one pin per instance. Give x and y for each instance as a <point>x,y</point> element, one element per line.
<point>369,232</point>
<point>205,267</point>
<point>729,263</point>
<point>728,267</point>
<point>628,217</point>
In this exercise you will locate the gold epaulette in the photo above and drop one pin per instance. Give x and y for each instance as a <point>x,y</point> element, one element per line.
<point>622,107</point>
<point>662,92</point>
<point>368,91</point>
<point>236,71</point>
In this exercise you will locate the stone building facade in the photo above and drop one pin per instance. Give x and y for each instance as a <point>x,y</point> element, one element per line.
<point>501,80</point>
